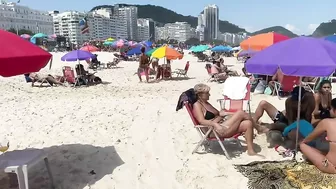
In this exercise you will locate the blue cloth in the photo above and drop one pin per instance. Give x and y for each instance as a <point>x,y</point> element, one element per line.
<point>305,129</point>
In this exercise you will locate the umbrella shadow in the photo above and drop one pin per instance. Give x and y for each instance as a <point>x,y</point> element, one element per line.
<point>180,78</point>
<point>75,166</point>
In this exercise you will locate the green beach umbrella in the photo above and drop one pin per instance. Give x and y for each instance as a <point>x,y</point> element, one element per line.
<point>200,48</point>
<point>149,53</point>
<point>40,35</point>
<point>108,43</point>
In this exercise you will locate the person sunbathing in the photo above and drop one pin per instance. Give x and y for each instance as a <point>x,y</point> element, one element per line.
<point>208,115</point>
<point>216,70</point>
<point>325,163</point>
<point>322,102</point>
<point>36,77</point>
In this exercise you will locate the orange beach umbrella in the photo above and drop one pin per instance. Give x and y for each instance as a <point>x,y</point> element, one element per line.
<point>261,41</point>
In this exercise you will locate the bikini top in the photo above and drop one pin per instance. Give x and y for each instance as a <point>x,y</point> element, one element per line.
<point>208,115</point>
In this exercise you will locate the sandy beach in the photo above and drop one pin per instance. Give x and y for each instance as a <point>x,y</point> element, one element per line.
<point>128,133</point>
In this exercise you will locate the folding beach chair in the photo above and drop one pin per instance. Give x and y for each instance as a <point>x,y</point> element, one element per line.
<point>205,136</point>
<point>42,81</point>
<point>286,84</point>
<point>233,105</point>
<point>182,72</point>
<point>211,75</point>
<point>69,75</point>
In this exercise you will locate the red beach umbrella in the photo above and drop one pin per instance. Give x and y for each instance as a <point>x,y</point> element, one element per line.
<point>89,48</point>
<point>19,56</point>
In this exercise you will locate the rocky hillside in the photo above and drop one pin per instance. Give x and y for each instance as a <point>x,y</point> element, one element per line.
<point>163,16</point>
<point>277,29</point>
<point>325,29</point>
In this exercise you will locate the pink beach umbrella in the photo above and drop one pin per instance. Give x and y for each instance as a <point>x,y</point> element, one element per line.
<point>132,43</point>
<point>120,43</point>
<point>53,36</point>
<point>25,36</point>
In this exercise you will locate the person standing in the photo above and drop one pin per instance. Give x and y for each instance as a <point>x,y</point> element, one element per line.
<point>143,64</point>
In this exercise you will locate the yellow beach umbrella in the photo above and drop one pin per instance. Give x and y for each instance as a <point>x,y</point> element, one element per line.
<point>110,39</point>
<point>167,52</point>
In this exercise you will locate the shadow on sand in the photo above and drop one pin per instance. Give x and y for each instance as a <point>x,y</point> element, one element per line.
<point>75,166</point>
<point>180,78</point>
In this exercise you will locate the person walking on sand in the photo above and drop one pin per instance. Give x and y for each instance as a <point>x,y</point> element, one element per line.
<point>143,64</point>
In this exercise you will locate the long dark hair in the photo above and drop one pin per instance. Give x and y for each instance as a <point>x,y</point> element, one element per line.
<point>323,82</point>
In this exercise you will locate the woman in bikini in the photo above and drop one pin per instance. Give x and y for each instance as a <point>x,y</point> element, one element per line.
<point>206,114</point>
<point>325,163</point>
<point>143,64</point>
<point>322,102</point>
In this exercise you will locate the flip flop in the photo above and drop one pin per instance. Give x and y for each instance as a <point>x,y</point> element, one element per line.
<point>284,153</point>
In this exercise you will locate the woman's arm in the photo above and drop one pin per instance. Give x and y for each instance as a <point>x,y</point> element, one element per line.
<point>317,99</point>
<point>319,130</point>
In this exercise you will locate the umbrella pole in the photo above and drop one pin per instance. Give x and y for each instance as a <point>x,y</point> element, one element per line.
<point>298,118</point>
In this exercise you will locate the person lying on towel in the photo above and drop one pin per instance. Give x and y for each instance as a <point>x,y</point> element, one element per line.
<point>36,77</point>
<point>325,163</point>
<point>225,124</point>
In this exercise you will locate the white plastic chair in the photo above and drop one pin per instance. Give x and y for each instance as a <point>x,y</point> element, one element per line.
<point>19,161</point>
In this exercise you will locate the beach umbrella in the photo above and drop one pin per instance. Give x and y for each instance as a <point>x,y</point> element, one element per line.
<point>77,55</point>
<point>137,50</point>
<point>40,35</point>
<point>221,48</point>
<point>25,36</point>
<point>109,39</point>
<point>236,49</point>
<point>300,56</point>
<point>147,43</point>
<point>19,56</point>
<point>249,52</point>
<point>150,52</point>
<point>131,43</point>
<point>192,48</point>
<point>53,36</point>
<point>89,48</point>
<point>331,38</point>
<point>167,52</point>
<point>107,43</point>
<point>200,48</point>
<point>261,41</point>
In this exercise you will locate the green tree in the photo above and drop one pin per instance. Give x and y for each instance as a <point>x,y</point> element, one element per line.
<point>12,30</point>
<point>24,31</point>
<point>192,41</point>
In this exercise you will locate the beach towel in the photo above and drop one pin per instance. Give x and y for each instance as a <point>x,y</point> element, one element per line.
<point>189,96</point>
<point>285,175</point>
<point>235,87</point>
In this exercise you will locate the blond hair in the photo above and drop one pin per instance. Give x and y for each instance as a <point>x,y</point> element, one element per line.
<point>201,88</point>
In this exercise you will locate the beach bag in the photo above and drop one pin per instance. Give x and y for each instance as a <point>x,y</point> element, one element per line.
<point>260,88</point>
<point>268,91</point>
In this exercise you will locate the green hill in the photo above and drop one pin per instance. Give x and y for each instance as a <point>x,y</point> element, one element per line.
<point>325,29</point>
<point>277,29</point>
<point>163,16</point>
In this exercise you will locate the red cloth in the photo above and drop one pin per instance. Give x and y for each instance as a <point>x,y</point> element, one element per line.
<point>19,56</point>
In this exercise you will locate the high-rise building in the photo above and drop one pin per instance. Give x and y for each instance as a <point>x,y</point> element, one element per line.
<point>180,31</point>
<point>146,29</point>
<point>128,14</point>
<point>19,17</point>
<point>211,21</point>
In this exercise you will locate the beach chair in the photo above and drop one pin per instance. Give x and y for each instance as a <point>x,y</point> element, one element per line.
<point>205,136</point>
<point>233,105</point>
<point>69,75</point>
<point>113,64</point>
<point>286,84</point>
<point>20,161</point>
<point>182,72</point>
<point>212,76</point>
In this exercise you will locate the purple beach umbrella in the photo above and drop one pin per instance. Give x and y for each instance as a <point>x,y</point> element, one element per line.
<point>300,56</point>
<point>77,55</point>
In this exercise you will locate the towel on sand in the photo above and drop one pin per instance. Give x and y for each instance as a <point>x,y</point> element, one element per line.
<point>235,87</point>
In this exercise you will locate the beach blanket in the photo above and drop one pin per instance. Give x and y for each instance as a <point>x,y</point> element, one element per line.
<point>285,175</point>
<point>235,87</point>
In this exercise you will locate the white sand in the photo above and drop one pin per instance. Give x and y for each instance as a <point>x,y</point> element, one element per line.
<point>128,133</point>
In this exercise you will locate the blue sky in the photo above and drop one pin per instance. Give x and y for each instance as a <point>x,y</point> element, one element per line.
<point>301,17</point>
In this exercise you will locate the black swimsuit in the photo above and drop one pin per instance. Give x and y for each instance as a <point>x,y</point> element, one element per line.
<point>208,115</point>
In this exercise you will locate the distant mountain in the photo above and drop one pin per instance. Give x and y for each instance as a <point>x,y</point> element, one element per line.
<point>277,29</point>
<point>325,29</point>
<point>163,16</point>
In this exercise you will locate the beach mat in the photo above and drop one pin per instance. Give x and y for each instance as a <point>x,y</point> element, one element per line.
<point>285,175</point>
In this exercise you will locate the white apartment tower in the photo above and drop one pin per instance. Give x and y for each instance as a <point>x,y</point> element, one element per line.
<point>128,14</point>
<point>211,21</point>
<point>19,17</point>
<point>146,30</point>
